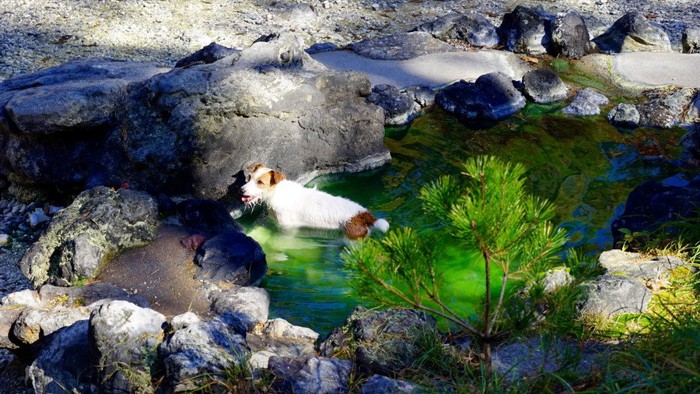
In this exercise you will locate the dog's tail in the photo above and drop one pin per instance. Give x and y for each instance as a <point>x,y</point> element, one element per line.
<point>381,225</point>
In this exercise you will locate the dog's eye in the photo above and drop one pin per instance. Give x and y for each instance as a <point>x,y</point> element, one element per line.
<point>260,182</point>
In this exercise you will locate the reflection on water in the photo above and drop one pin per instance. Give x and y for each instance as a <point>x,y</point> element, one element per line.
<point>584,165</point>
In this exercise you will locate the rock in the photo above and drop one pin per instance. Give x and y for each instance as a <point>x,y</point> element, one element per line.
<point>322,47</point>
<point>611,295</point>
<point>691,142</point>
<point>400,46</point>
<point>81,239</point>
<point>280,328</point>
<point>35,324</point>
<point>37,217</point>
<point>526,30</point>
<point>570,36</point>
<point>206,217</point>
<point>633,33</point>
<point>200,352</point>
<point>384,342</point>
<point>423,95</point>
<point>232,257</point>
<point>8,316</point>
<point>690,40</point>
<point>587,102</point>
<point>24,298</point>
<point>624,115</point>
<point>89,294</point>
<point>665,108</point>
<point>555,279</point>
<point>472,28</point>
<point>249,305</point>
<point>399,108</point>
<point>383,384</point>
<point>646,270</point>
<point>280,338</point>
<point>491,97</point>
<point>314,375</point>
<point>209,54</point>
<point>692,115</point>
<point>64,365</point>
<point>652,204</point>
<point>543,85</point>
<point>124,338</point>
<point>4,240</point>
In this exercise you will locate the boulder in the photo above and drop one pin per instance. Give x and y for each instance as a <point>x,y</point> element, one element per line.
<point>666,108</point>
<point>491,97</point>
<point>64,365</point>
<point>624,115</point>
<point>633,33</point>
<point>279,338</point>
<point>691,142</point>
<point>544,86</point>
<point>383,384</point>
<point>644,269</point>
<point>423,95</point>
<point>526,30</point>
<point>124,338</point>
<point>209,54</point>
<point>82,238</point>
<point>400,46</point>
<point>399,108</point>
<point>33,325</point>
<point>690,40</point>
<point>249,305</point>
<point>586,102</point>
<point>570,36</point>
<point>231,257</point>
<point>206,217</point>
<point>472,28</point>
<point>199,352</point>
<point>384,342</point>
<point>611,295</point>
<point>314,375</point>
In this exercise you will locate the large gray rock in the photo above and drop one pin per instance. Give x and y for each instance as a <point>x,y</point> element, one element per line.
<point>35,324</point>
<point>472,28</point>
<point>624,115</point>
<point>633,33</point>
<point>279,338</point>
<point>249,305</point>
<point>586,102</point>
<point>400,46</point>
<point>526,30</point>
<point>491,97</point>
<point>124,339</point>
<point>200,351</point>
<point>570,36</point>
<point>644,269</point>
<point>690,40</point>
<point>64,365</point>
<point>399,108</point>
<point>611,295</point>
<point>231,257</point>
<point>665,108</point>
<point>314,375</point>
<point>543,85</point>
<point>81,238</point>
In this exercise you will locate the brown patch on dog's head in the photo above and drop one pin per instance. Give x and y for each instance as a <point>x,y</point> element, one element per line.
<point>255,167</point>
<point>358,225</point>
<point>269,179</point>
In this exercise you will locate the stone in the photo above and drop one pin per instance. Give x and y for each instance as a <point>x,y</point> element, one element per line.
<point>491,97</point>
<point>399,108</point>
<point>232,257</point>
<point>570,36</point>
<point>37,217</point>
<point>544,86</point>
<point>423,95</point>
<point>322,47</point>
<point>124,338</point>
<point>586,102</point>
<point>690,40</point>
<point>280,328</point>
<point>24,298</point>
<point>400,46</point>
<point>612,295</point>
<point>633,33</point>
<point>624,115</point>
<point>692,114</point>
<point>209,54</point>
<point>647,270</point>
<point>383,384</point>
<point>81,239</point>
<point>8,316</point>
<point>555,279</point>
<point>314,375</point>
<point>206,217</point>
<point>198,352</point>
<point>280,338</point>
<point>4,240</point>
<point>34,325</point>
<point>665,108</point>
<point>249,305</point>
<point>691,142</point>
<point>472,28</point>
<point>526,30</point>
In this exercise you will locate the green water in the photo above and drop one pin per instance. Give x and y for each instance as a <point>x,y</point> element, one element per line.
<point>584,165</point>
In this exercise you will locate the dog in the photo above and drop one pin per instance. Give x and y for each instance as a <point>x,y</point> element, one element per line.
<point>297,206</point>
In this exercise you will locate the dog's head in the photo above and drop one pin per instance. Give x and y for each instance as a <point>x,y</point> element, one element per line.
<point>262,182</point>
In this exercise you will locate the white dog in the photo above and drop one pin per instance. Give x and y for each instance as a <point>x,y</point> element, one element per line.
<point>297,206</point>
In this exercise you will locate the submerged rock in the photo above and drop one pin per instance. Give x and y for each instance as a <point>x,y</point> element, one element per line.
<point>491,97</point>
<point>526,30</point>
<point>543,85</point>
<point>400,46</point>
<point>633,33</point>
<point>472,28</point>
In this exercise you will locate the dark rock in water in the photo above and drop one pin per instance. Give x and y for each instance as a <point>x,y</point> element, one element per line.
<point>472,28</point>
<point>652,204</point>
<point>691,142</point>
<point>399,108</point>
<point>570,36</point>
<point>543,85</point>
<point>232,257</point>
<point>314,375</point>
<point>491,97</point>
<point>691,40</point>
<point>423,95</point>
<point>400,46</point>
<point>526,30</point>
<point>206,217</point>
<point>64,365</point>
<point>624,115</point>
<point>611,295</point>
<point>208,54</point>
<point>383,384</point>
<point>84,236</point>
<point>665,108</point>
<point>321,47</point>
<point>633,33</point>
<point>384,341</point>
<point>586,102</point>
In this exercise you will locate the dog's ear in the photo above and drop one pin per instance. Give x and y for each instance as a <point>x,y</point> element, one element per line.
<point>276,177</point>
<point>254,167</point>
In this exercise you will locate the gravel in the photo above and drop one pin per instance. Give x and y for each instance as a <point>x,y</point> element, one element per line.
<point>36,34</point>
